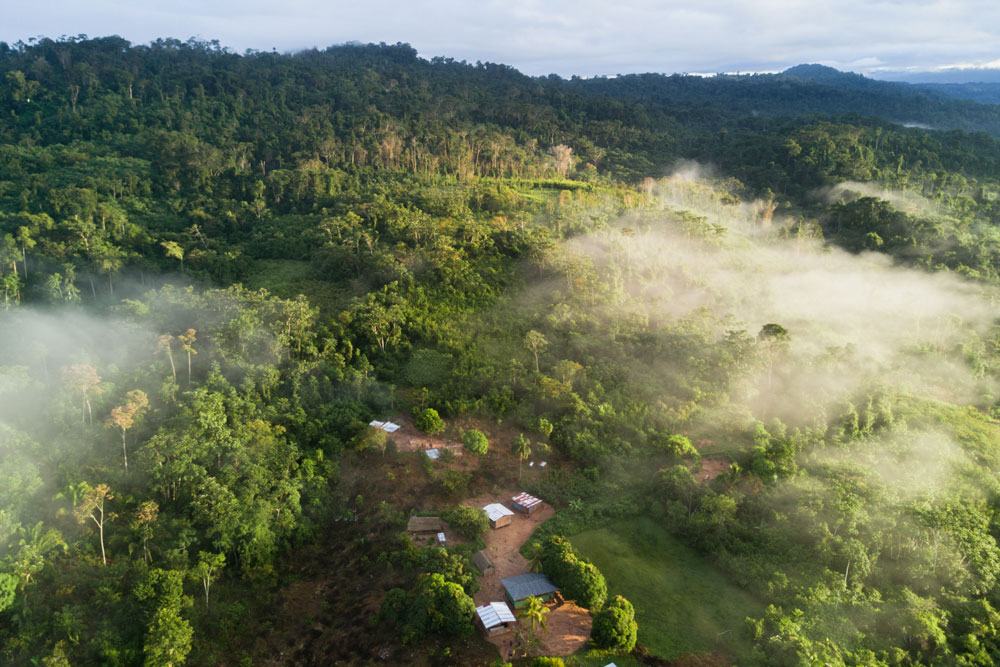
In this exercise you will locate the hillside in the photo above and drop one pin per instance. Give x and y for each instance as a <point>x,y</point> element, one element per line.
<point>752,317</point>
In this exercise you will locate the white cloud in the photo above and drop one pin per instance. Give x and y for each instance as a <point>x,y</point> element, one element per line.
<point>582,37</point>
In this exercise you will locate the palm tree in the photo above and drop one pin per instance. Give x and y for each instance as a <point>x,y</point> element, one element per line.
<point>534,613</point>
<point>522,450</point>
<point>535,561</point>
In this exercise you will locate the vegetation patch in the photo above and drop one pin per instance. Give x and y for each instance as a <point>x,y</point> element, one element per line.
<point>682,604</point>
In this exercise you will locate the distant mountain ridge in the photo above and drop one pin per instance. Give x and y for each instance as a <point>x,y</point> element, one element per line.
<point>807,89</point>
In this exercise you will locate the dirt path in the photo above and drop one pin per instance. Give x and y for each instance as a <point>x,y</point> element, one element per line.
<point>567,626</point>
<point>502,545</point>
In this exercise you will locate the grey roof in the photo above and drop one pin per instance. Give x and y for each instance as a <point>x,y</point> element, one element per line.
<point>494,614</point>
<point>496,511</point>
<point>481,561</point>
<point>528,585</point>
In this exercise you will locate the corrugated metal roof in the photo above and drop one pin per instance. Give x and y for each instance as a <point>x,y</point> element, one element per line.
<point>496,511</point>
<point>526,500</point>
<point>388,427</point>
<point>495,613</point>
<point>528,585</point>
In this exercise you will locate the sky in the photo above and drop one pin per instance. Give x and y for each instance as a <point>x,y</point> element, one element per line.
<point>566,37</point>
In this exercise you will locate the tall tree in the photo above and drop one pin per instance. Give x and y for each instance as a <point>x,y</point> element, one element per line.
<point>187,343</point>
<point>84,380</point>
<point>522,450</point>
<point>92,508</point>
<point>208,569</point>
<point>123,417</point>
<point>535,342</point>
<point>164,346</point>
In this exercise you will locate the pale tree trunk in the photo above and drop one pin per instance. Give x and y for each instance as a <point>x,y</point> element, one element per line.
<point>124,451</point>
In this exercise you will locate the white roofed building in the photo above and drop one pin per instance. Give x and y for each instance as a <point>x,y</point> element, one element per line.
<point>498,515</point>
<point>496,618</point>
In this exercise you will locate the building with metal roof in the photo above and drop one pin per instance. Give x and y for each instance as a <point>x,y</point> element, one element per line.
<point>525,502</point>
<point>498,515</point>
<point>496,618</point>
<point>388,427</point>
<point>518,589</point>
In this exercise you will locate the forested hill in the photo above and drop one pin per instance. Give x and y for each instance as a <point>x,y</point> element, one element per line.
<point>748,323</point>
<point>804,89</point>
<point>984,93</point>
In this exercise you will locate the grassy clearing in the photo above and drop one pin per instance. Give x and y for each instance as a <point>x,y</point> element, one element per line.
<point>287,278</point>
<point>683,605</point>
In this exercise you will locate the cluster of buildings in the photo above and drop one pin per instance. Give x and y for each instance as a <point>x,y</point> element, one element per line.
<point>497,618</point>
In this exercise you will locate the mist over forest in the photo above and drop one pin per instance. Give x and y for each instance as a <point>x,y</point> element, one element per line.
<point>748,323</point>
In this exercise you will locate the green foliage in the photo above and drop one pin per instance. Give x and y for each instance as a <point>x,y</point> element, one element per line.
<point>433,606</point>
<point>390,215</point>
<point>469,522</point>
<point>579,579</point>
<point>427,368</point>
<point>455,484</point>
<point>547,662</point>
<point>614,625</point>
<point>683,604</point>
<point>475,442</point>
<point>8,584</point>
<point>428,420</point>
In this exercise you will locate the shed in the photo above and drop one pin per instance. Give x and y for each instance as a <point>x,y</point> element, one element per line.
<point>482,563</point>
<point>496,618</point>
<point>518,589</point>
<point>432,453</point>
<point>424,524</point>
<point>388,427</point>
<point>525,502</point>
<point>498,515</point>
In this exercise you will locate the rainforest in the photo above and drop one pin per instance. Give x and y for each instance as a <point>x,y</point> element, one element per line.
<point>274,328</point>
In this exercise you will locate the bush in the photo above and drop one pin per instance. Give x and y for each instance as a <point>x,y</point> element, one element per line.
<point>469,522</point>
<point>455,484</point>
<point>429,421</point>
<point>615,626</point>
<point>548,662</point>
<point>475,442</point>
<point>434,605</point>
<point>579,579</point>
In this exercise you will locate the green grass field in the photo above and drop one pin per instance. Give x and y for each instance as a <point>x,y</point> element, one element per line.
<point>682,604</point>
<point>287,278</point>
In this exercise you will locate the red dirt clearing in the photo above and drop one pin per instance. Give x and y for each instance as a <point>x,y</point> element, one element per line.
<point>408,438</point>
<point>567,625</point>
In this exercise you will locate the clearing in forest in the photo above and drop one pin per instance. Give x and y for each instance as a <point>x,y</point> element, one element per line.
<point>682,604</point>
<point>568,626</point>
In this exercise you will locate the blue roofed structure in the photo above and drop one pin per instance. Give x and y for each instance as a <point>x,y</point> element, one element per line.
<point>518,589</point>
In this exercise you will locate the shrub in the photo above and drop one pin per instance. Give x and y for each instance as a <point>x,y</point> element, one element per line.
<point>434,605</point>
<point>548,662</point>
<point>615,626</point>
<point>579,579</point>
<point>475,442</point>
<point>469,522</point>
<point>429,421</point>
<point>455,484</point>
